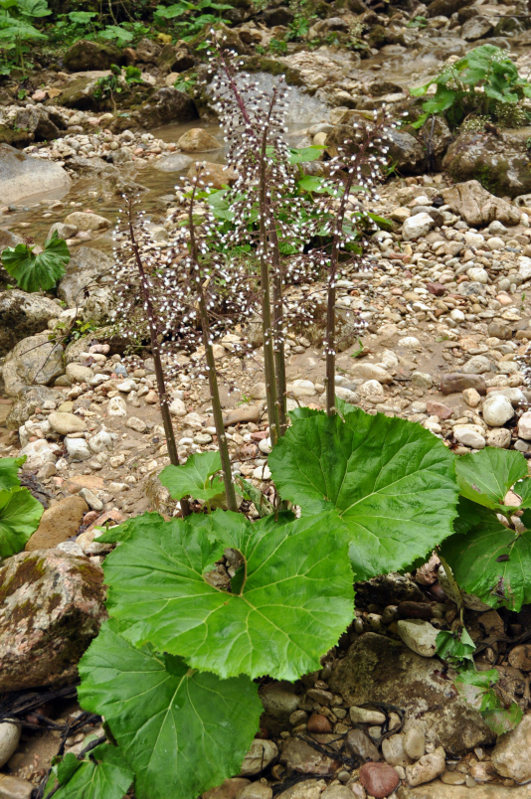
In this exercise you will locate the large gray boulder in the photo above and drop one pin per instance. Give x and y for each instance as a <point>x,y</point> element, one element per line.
<point>33,360</point>
<point>499,161</point>
<point>51,606</point>
<point>22,315</point>
<point>379,669</point>
<point>23,177</point>
<point>166,105</point>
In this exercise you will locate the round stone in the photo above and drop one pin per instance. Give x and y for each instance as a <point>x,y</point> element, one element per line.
<point>77,449</point>
<point>259,756</point>
<point>318,723</point>
<point>393,751</point>
<point>302,388</point>
<point>524,426</point>
<point>478,274</point>
<point>419,635</point>
<point>416,226</point>
<point>78,373</point>
<point>471,435</point>
<point>499,437</point>
<point>177,407</point>
<point>9,738</point>
<point>474,239</point>
<point>495,243</point>
<point>117,407</point>
<point>477,365</point>
<point>379,779</point>
<point>65,423</point>
<point>372,391</point>
<point>497,410</point>
<point>414,742</point>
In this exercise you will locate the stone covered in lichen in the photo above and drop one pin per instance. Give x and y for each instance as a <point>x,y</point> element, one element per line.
<point>51,606</point>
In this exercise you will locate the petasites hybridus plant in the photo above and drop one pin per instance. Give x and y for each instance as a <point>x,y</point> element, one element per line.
<point>200,606</point>
<point>195,645</point>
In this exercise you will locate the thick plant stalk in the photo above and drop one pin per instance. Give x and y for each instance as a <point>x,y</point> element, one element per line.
<point>271,277</point>
<point>330,335</point>
<point>278,333</point>
<point>230,493</point>
<point>267,326</point>
<point>155,349</point>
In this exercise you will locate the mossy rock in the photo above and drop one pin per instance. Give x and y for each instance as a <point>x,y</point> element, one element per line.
<point>85,55</point>
<point>14,136</point>
<point>52,608</point>
<point>259,63</point>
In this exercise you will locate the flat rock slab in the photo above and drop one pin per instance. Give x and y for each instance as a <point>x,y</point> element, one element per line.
<point>51,606</point>
<point>58,523</point>
<point>438,790</point>
<point>479,207</point>
<point>379,669</point>
<point>22,176</point>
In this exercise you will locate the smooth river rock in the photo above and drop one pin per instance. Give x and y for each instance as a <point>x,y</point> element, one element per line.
<point>23,177</point>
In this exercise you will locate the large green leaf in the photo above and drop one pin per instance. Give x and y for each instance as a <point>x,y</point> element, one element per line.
<point>489,560</point>
<point>295,598</point>
<point>33,8</point>
<point>391,482</point>
<point>9,472</point>
<point>486,476</point>
<point>34,272</point>
<point>20,514</point>
<point>194,478</point>
<point>182,731</point>
<point>18,30</point>
<point>104,774</point>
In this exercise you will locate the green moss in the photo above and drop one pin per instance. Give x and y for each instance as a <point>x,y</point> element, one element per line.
<point>258,63</point>
<point>53,602</point>
<point>30,570</point>
<point>13,136</point>
<point>23,612</point>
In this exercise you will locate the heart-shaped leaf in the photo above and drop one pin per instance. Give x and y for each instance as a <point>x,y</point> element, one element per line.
<point>391,482</point>
<point>9,472</point>
<point>489,560</point>
<point>35,272</point>
<point>20,514</point>
<point>485,477</point>
<point>295,599</point>
<point>194,478</point>
<point>104,774</point>
<point>182,731</point>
